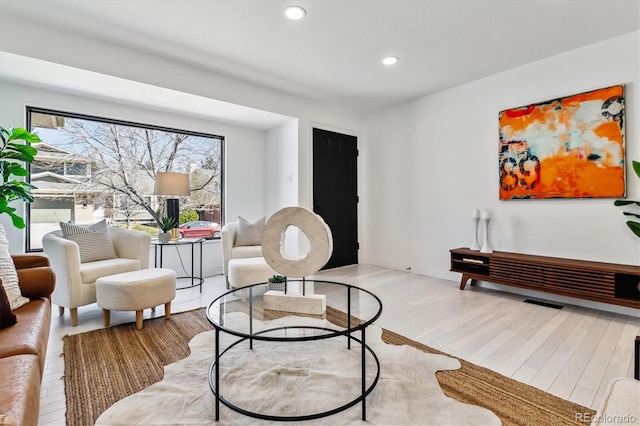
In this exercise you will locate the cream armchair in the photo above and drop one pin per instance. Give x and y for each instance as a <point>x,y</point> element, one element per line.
<point>231,251</point>
<point>76,281</point>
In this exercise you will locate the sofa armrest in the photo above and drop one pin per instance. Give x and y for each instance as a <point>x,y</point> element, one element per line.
<point>23,261</point>
<point>37,282</point>
<point>35,276</point>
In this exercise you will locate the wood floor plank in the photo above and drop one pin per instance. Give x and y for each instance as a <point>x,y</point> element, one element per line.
<point>539,316</point>
<point>585,390</point>
<point>498,323</point>
<point>544,351</point>
<point>618,364</point>
<point>492,345</point>
<point>544,377</point>
<point>511,365</point>
<point>566,381</point>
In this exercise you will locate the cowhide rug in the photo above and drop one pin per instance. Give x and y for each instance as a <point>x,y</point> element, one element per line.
<point>297,378</point>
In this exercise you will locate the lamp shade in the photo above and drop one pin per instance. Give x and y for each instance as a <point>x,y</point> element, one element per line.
<point>169,183</point>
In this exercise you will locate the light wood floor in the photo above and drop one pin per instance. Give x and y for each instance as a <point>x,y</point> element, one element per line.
<point>572,352</point>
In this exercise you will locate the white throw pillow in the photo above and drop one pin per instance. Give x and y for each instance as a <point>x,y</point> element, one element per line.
<point>94,242</point>
<point>9,275</point>
<point>249,233</point>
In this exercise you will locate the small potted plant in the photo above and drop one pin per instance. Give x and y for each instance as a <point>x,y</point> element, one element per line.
<point>277,282</point>
<point>166,224</point>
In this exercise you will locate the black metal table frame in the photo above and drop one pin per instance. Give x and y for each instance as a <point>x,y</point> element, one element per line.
<point>176,243</point>
<point>214,370</point>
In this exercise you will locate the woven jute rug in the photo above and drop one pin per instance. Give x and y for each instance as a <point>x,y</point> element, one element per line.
<point>106,365</point>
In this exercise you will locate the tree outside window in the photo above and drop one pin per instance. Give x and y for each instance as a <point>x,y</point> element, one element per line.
<point>89,168</point>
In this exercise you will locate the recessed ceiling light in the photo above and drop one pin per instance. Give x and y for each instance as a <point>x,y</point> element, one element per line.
<point>295,12</point>
<point>390,60</point>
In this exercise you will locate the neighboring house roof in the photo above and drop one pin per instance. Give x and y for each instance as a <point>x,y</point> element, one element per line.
<point>52,177</point>
<point>48,152</point>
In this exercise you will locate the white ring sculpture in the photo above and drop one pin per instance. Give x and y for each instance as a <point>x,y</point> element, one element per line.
<point>316,230</point>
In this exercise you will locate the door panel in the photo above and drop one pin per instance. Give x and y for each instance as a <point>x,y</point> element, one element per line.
<point>335,192</point>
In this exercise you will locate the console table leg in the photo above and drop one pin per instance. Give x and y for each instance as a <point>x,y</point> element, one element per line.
<point>463,281</point>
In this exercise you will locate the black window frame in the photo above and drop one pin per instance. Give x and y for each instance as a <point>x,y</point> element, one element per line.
<point>29,110</point>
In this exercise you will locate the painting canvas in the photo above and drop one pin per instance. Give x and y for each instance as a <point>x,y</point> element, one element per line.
<point>571,147</point>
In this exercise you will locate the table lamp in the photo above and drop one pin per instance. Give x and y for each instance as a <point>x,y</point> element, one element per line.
<point>173,185</point>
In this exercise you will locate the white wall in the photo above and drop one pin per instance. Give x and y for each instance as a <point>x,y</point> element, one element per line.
<point>429,162</point>
<point>282,176</point>
<point>282,167</point>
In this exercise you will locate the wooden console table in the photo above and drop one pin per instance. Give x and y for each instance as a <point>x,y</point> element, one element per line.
<point>601,282</point>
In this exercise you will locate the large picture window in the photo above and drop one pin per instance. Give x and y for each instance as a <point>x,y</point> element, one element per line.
<point>91,168</point>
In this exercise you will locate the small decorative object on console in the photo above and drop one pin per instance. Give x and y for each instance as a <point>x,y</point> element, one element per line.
<point>486,218</point>
<point>475,245</point>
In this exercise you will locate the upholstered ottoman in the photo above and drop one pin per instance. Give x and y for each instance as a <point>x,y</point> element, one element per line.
<point>136,291</point>
<point>247,271</point>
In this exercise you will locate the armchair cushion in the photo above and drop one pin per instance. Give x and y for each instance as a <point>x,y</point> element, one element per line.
<point>249,233</point>
<point>90,272</point>
<point>241,252</point>
<point>94,242</point>
<point>8,274</point>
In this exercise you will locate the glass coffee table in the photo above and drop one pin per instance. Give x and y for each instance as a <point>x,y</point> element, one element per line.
<point>349,311</point>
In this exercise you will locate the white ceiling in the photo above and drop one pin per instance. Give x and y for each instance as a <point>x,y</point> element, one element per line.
<point>335,53</point>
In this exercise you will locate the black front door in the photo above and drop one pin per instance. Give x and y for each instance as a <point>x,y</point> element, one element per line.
<point>335,192</point>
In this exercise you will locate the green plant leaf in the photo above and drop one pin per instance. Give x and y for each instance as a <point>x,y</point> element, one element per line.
<point>635,227</point>
<point>19,133</point>
<point>631,214</point>
<point>14,190</point>
<point>625,202</point>
<point>166,224</point>
<point>15,169</point>
<point>4,133</point>
<point>636,167</point>
<point>18,222</point>
<point>19,152</point>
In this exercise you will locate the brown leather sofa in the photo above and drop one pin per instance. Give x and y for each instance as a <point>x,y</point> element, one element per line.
<point>23,346</point>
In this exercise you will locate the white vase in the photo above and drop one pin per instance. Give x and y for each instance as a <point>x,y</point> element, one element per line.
<point>486,247</point>
<point>164,237</point>
<point>475,245</point>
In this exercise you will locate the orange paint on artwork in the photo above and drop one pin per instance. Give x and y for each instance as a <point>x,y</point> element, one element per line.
<point>600,94</point>
<point>549,112</point>
<point>567,176</point>
<point>609,130</point>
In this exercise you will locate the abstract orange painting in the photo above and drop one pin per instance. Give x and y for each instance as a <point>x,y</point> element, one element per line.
<point>571,147</point>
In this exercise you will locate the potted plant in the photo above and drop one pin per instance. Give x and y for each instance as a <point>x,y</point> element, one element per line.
<point>277,282</point>
<point>166,224</point>
<point>634,226</point>
<point>12,153</point>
